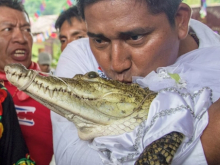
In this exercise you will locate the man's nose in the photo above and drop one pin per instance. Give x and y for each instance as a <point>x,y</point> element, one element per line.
<point>18,36</point>
<point>120,58</point>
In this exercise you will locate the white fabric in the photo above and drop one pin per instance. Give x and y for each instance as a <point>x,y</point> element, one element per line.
<point>168,113</point>
<point>77,58</point>
<point>199,66</point>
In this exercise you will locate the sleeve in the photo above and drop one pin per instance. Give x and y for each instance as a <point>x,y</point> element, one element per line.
<point>12,144</point>
<point>77,58</point>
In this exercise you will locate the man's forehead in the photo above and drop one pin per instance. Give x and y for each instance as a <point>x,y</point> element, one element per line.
<point>74,25</point>
<point>13,16</point>
<point>115,2</point>
<point>116,9</point>
<point>74,20</point>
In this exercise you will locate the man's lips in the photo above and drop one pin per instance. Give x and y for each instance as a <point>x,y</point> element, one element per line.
<point>19,54</point>
<point>124,81</point>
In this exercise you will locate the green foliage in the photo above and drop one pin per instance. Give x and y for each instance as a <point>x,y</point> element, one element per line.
<point>35,48</point>
<point>55,7</point>
<point>52,7</point>
<point>198,2</point>
<point>56,52</point>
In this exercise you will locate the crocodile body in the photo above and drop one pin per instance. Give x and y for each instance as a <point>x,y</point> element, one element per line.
<point>97,106</point>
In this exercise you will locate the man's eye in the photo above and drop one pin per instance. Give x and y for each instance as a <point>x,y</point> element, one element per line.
<point>28,29</point>
<point>62,41</point>
<point>7,29</point>
<point>81,37</point>
<point>99,41</point>
<point>137,37</point>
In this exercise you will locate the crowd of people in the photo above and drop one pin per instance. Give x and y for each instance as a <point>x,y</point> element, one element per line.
<point>130,41</point>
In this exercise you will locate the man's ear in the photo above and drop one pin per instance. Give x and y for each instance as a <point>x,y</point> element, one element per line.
<point>182,20</point>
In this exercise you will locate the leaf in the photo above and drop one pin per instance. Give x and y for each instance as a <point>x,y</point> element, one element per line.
<point>175,76</point>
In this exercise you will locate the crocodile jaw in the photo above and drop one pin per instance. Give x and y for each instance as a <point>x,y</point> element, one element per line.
<point>97,107</point>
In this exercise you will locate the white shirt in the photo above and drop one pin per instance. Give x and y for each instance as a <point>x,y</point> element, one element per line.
<point>78,58</point>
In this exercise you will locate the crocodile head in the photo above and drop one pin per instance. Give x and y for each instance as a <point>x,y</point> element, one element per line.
<point>97,106</point>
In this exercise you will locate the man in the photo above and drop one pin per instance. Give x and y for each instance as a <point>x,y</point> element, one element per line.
<point>44,62</point>
<point>70,26</point>
<point>15,47</point>
<point>151,42</point>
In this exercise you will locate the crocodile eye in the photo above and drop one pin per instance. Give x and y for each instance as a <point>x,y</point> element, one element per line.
<point>93,75</point>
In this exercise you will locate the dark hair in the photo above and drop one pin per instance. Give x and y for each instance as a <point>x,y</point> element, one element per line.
<point>67,15</point>
<point>13,4</point>
<point>169,7</point>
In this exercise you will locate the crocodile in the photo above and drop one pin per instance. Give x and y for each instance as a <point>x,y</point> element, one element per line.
<point>97,106</point>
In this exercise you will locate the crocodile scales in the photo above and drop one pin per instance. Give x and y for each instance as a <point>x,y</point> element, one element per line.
<point>97,106</point>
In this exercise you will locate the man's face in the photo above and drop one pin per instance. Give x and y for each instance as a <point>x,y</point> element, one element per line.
<point>127,40</point>
<point>44,68</point>
<point>15,38</point>
<point>70,32</point>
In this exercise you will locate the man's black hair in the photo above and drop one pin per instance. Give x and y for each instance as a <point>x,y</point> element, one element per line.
<point>67,15</point>
<point>169,7</point>
<point>13,4</point>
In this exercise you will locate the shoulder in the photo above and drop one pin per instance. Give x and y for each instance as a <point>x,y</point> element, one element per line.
<point>77,58</point>
<point>80,44</point>
<point>78,50</point>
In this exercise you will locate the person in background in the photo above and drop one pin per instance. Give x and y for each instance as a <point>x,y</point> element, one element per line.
<point>150,41</point>
<point>13,147</point>
<point>15,47</point>
<point>70,26</point>
<point>44,62</point>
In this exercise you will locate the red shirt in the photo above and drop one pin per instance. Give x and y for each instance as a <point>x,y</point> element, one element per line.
<point>35,122</point>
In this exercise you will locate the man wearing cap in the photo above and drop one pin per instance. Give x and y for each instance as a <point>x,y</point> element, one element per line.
<point>44,61</point>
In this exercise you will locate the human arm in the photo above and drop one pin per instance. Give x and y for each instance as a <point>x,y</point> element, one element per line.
<point>211,135</point>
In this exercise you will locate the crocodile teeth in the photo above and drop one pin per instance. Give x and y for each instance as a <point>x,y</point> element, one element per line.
<point>51,93</point>
<point>70,116</point>
<point>44,89</point>
<point>81,125</point>
<point>16,78</point>
<point>29,73</point>
<point>55,93</point>
<point>8,76</point>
